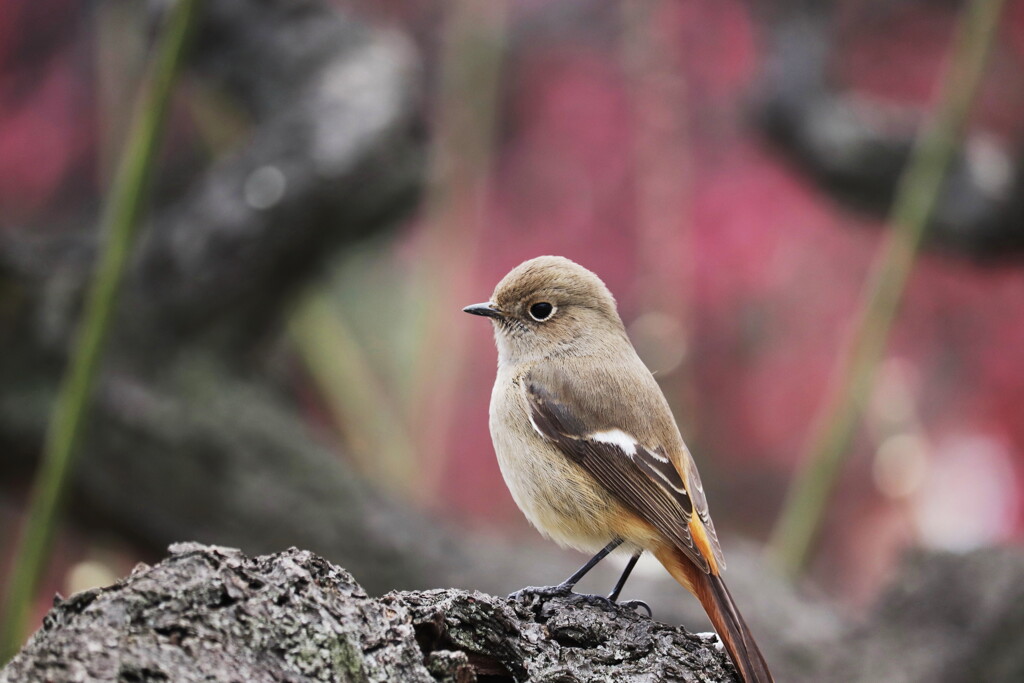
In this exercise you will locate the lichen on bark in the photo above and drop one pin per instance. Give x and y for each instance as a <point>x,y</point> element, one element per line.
<point>210,613</point>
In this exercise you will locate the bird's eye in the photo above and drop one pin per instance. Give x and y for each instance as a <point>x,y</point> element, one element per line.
<point>541,310</point>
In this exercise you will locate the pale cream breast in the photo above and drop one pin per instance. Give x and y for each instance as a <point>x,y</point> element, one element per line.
<point>556,495</point>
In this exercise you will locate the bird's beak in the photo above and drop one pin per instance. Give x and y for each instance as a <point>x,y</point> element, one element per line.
<point>488,310</point>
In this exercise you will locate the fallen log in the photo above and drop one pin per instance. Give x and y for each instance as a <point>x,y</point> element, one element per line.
<point>210,613</point>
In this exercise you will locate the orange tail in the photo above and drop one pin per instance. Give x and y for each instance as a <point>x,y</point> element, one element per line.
<point>718,603</point>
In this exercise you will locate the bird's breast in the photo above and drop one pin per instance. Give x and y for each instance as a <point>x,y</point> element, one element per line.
<point>555,494</point>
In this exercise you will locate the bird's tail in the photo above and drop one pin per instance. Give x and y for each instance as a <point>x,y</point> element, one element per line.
<point>718,603</point>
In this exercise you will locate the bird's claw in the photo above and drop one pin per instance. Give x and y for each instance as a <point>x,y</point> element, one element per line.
<point>541,591</point>
<point>637,604</point>
<point>564,590</point>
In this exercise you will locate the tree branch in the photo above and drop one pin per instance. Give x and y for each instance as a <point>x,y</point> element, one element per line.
<point>209,613</point>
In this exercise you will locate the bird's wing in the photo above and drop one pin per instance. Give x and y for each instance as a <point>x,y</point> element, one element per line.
<point>642,475</point>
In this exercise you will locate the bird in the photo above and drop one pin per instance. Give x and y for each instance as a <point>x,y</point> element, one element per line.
<point>588,446</point>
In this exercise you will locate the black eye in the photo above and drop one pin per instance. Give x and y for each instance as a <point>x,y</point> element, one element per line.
<point>541,310</point>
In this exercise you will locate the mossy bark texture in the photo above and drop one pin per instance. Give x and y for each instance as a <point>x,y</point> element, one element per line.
<point>213,614</point>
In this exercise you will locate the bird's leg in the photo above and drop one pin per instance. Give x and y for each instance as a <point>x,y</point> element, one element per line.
<point>632,604</point>
<point>614,595</point>
<point>569,583</point>
<point>566,586</point>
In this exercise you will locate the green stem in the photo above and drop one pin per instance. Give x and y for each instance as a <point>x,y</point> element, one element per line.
<point>916,196</point>
<point>119,222</point>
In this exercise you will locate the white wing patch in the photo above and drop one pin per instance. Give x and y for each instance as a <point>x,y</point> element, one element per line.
<point>534,425</point>
<point>616,437</point>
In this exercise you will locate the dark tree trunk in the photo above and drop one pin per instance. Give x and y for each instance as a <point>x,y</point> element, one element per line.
<point>209,613</point>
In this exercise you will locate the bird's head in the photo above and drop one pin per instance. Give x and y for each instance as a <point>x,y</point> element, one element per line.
<point>549,306</point>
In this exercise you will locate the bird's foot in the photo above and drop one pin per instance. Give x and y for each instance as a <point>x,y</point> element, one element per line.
<point>561,590</point>
<point>635,605</point>
<point>564,590</point>
<point>612,604</point>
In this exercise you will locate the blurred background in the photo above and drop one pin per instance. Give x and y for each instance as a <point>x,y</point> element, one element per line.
<point>289,364</point>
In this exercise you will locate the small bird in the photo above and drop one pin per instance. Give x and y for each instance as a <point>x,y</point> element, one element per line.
<point>588,446</point>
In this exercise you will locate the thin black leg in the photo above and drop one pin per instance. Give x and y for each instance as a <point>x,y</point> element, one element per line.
<point>614,595</point>
<point>565,588</point>
<point>591,563</point>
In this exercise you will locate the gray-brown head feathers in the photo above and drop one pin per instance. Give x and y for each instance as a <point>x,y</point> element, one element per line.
<point>550,305</point>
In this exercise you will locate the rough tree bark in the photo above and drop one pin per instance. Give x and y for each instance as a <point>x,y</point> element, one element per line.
<point>209,613</point>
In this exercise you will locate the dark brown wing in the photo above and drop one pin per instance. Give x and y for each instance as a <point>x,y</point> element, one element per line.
<point>643,479</point>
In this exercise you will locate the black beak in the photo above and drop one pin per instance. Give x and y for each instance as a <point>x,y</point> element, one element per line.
<point>487,310</point>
